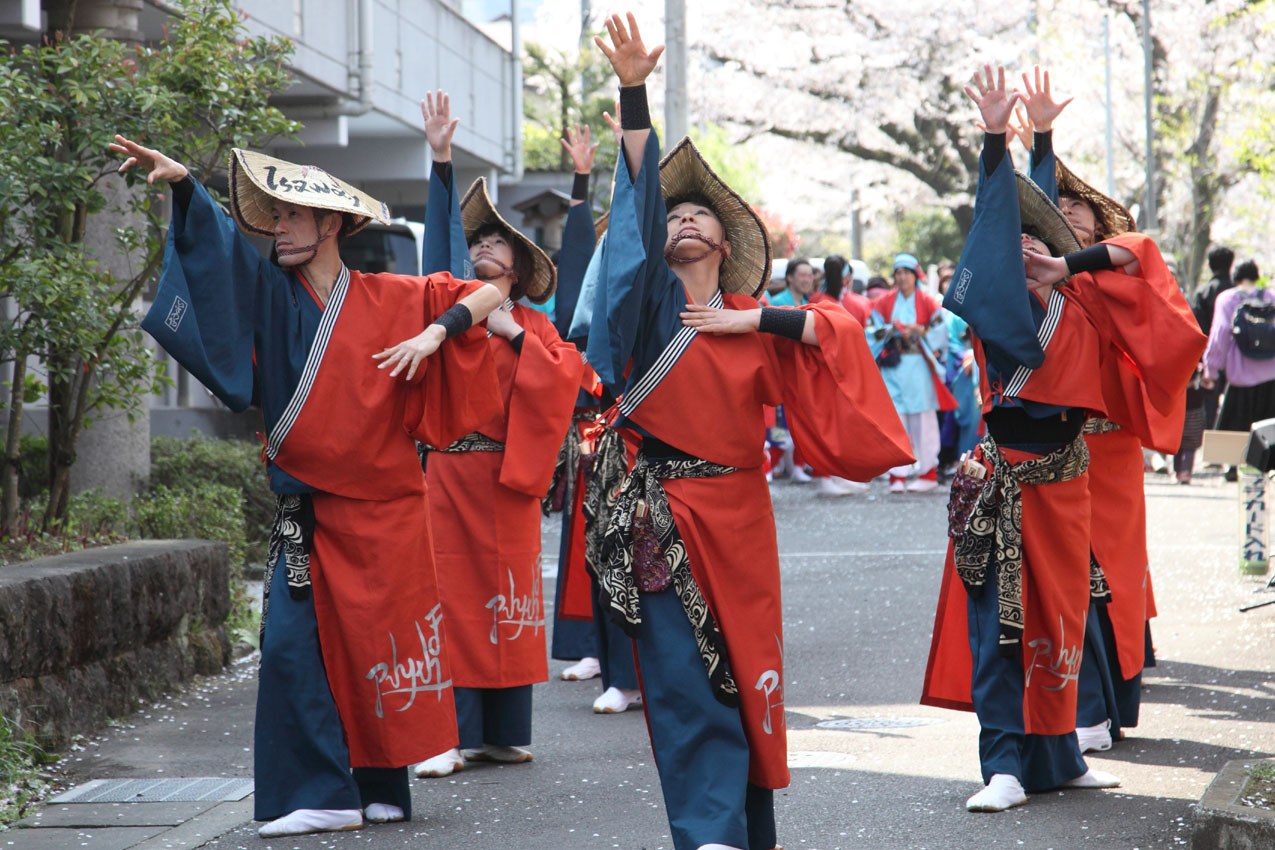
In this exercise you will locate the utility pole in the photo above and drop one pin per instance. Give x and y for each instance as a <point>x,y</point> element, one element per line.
<point>675,123</point>
<point>856,226</point>
<point>1151,222</point>
<point>1111,158</point>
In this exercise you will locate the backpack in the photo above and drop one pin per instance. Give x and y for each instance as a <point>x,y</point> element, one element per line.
<point>1253,327</point>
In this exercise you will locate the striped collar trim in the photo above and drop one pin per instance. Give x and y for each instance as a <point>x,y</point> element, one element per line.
<point>508,305</point>
<point>664,364</point>
<point>1053,315</point>
<point>313,361</point>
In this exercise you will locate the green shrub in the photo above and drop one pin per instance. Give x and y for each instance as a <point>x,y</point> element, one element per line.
<point>209,512</point>
<point>21,784</point>
<point>33,470</point>
<point>187,463</point>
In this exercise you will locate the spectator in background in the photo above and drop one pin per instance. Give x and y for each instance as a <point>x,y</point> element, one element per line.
<point>877,286</point>
<point>799,284</point>
<point>946,270</point>
<point>835,289</point>
<point>1250,394</point>
<point>1203,305</point>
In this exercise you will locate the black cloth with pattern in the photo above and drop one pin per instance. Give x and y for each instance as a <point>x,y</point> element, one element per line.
<point>292,537</point>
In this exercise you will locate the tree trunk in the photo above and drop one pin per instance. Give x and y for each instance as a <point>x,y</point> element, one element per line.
<point>61,15</point>
<point>13,449</point>
<point>61,441</point>
<point>1205,187</point>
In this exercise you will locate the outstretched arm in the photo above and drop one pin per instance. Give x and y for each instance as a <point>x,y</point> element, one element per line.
<point>780,321</point>
<point>410,353</point>
<point>158,166</point>
<point>632,63</point>
<point>436,110</point>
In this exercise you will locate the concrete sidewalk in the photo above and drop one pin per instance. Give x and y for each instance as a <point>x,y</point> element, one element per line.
<point>871,768</point>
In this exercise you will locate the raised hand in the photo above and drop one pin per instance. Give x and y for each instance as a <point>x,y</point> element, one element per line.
<point>995,103</point>
<point>1042,109</point>
<point>627,54</point>
<point>158,166</point>
<point>579,149</point>
<point>614,123</point>
<point>1024,130</point>
<point>501,322</point>
<point>439,124</point>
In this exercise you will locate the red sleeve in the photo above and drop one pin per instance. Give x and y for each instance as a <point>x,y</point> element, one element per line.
<point>457,390</point>
<point>1153,342</point>
<point>547,381</point>
<point>836,404</point>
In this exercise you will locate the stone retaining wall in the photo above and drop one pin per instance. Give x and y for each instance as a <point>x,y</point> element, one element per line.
<point>85,636</point>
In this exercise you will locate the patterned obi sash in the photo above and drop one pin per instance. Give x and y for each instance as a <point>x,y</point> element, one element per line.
<point>291,536</point>
<point>474,442</point>
<point>605,468</point>
<point>993,536</point>
<point>643,550</point>
<point>1098,425</point>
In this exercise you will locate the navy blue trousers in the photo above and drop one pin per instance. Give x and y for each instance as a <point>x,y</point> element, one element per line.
<point>572,639</point>
<point>300,759</point>
<point>615,651</point>
<point>1104,695</point>
<point>699,744</point>
<point>1040,762</point>
<point>498,716</point>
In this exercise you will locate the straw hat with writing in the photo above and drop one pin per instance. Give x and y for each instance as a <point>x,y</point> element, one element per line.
<point>1111,214</point>
<point>684,171</point>
<point>257,180</point>
<point>1042,217</point>
<point>477,211</point>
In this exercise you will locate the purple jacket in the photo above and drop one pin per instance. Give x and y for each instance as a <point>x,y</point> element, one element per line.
<point>1222,353</point>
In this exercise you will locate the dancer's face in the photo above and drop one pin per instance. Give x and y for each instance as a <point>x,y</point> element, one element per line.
<point>294,227</point>
<point>1082,219</point>
<point>1031,243</point>
<point>697,221</point>
<point>491,254</point>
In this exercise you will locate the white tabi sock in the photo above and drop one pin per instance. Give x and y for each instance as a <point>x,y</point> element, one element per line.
<point>616,700</point>
<point>383,813</point>
<point>305,821</point>
<point>441,765</point>
<point>497,752</point>
<point>1003,792</point>
<point>585,668</point>
<point>1093,779</point>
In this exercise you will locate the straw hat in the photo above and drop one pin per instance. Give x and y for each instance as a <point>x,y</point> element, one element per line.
<point>477,210</point>
<point>256,180</point>
<point>1038,212</point>
<point>1111,214</point>
<point>683,171</point>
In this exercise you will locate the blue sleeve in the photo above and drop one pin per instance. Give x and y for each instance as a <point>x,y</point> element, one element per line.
<point>583,317</point>
<point>877,332</point>
<point>573,260</point>
<point>636,306</point>
<point>989,289</point>
<point>215,292</point>
<point>445,249</point>
<point>1045,171</point>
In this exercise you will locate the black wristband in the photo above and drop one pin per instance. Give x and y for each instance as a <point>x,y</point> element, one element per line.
<point>456,320</point>
<point>993,150</point>
<point>1095,258</point>
<point>517,341</point>
<point>443,170</point>
<point>781,321</point>
<point>580,187</point>
<point>183,191</point>
<point>634,112</point>
<point>1042,144</point>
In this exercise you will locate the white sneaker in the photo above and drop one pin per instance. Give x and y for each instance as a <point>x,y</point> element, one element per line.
<point>585,668</point>
<point>799,475</point>
<point>1003,792</point>
<point>897,485</point>
<point>306,821</point>
<point>853,486</point>
<point>383,813</point>
<point>616,700</point>
<point>922,485</point>
<point>497,752</point>
<point>1093,779</point>
<point>441,765</point>
<point>1094,738</point>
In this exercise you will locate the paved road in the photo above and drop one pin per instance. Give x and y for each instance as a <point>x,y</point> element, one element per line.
<point>860,583</point>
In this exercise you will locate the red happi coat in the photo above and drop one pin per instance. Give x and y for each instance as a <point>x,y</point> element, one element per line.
<point>711,405</point>
<point>372,568</point>
<point>485,512</point>
<point>1109,355</point>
